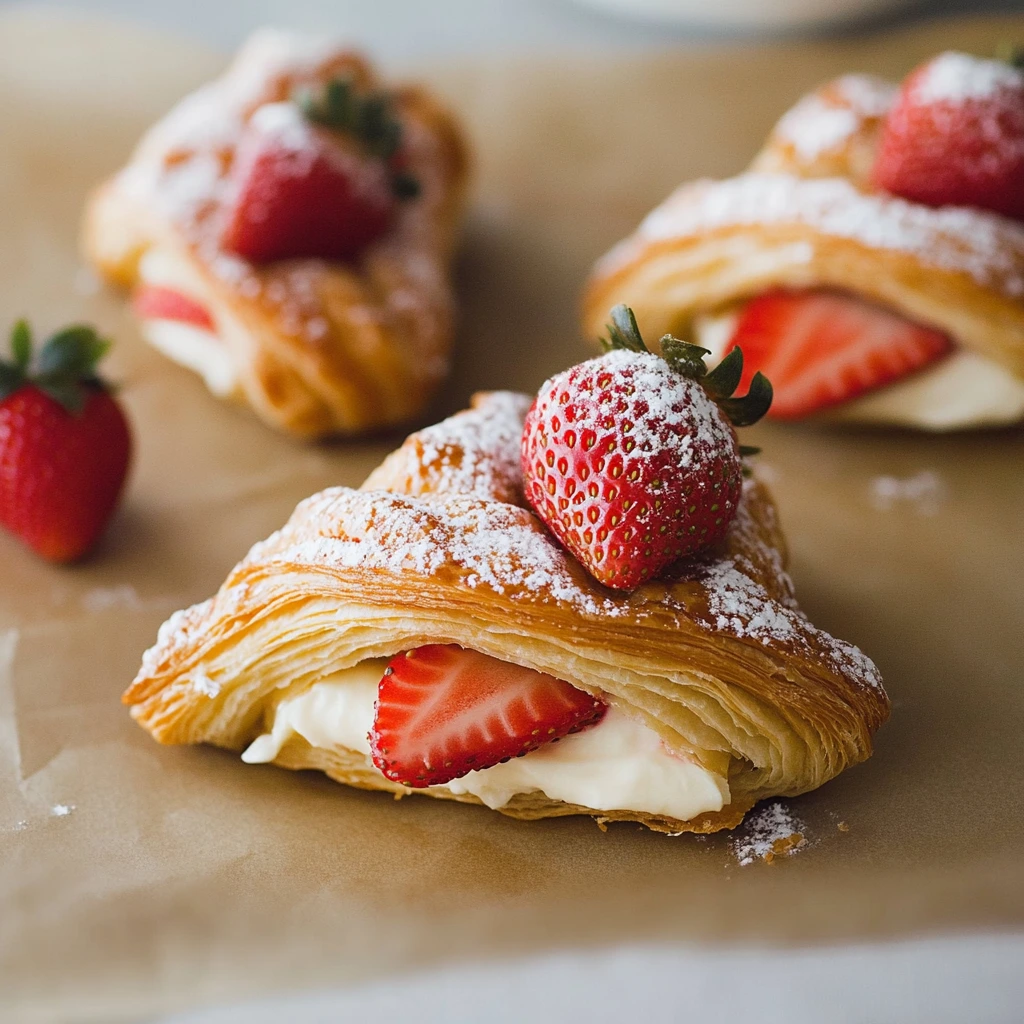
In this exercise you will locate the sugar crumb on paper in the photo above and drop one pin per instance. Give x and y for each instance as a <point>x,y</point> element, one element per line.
<point>767,833</point>
<point>922,492</point>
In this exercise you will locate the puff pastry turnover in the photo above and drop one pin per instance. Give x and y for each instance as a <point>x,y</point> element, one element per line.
<point>805,216</point>
<point>313,346</point>
<point>719,690</point>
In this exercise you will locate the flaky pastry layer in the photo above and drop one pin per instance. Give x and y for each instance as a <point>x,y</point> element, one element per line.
<point>720,661</point>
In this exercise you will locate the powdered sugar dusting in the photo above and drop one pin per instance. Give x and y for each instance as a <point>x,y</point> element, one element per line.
<point>483,543</point>
<point>203,684</point>
<point>983,245</point>
<point>768,832</point>
<point>474,453</point>
<point>827,119</point>
<point>664,414</point>
<point>955,77</point>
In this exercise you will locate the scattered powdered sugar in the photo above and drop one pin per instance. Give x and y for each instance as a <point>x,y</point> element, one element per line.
<point>474,453</point>
<point>955,77</point>
<point>825,120</point>
<point>868,95</point>
<point>61,810</point>
<point>768,832</point>
<point>485,543</point>
<point>101,599</point>
<point>924,492</point>
<point>202,683</point>
<point>984,245</point>
<point>814,126</point>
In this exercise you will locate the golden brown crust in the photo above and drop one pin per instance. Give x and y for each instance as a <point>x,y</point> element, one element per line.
<point>319,347</point>
<point>719,660</point>
<point>805,216</point>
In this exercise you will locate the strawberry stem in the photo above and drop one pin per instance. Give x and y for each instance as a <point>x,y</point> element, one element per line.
<point>369,118</point>
<point>65,368</point>
<point>687,359</point>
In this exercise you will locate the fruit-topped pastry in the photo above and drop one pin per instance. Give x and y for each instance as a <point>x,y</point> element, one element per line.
<point>870,262</point>
<point>451,630</point>
<point>286,232</point>
<point>65,444</point>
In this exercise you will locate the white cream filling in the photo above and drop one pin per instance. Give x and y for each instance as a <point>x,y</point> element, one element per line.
<point>618,764</point>
<point>196,348</point>
<point>963,390</point>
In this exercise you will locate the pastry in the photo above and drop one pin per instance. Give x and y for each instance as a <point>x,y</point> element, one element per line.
<point>871,260</point>
<point>286,231</point>
<point>677,704</point>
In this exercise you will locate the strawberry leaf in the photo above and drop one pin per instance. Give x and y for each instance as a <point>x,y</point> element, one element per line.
<point>623,331</point>
<point>70,394</point>
<point>745,411</point>
<point>11,379</point>
<point>72,353</point>
<point>683,357</point>
<point>21,344</point>
<point>724,379</point>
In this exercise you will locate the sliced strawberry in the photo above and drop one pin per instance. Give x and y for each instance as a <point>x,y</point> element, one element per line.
<point>955,136</point>
<point>821,348</point>
<point>303,191</point>
<point>154,302</point>
<point>443,711</point>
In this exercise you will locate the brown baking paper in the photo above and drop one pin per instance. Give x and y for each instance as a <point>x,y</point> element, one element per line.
<point>136,879</point>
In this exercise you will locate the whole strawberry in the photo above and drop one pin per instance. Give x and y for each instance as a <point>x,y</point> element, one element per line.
<point>631,458</point>
<point>319,176</point>
<point>64,443</point>
<point>955,136</point>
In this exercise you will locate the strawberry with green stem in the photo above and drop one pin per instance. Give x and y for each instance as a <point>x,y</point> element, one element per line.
<point>318,176</point>
<point>65,444</point>
<point>631,459</point>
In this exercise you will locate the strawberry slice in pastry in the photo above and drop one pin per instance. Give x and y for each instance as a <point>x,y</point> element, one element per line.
<point>822,348</point>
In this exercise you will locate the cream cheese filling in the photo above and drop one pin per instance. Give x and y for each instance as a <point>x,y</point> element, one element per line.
<point>196,348</point>
<point>962,390</point>
<point>618,764</point>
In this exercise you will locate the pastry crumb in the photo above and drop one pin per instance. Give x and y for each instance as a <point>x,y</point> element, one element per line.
<point>843,827</point>
<point>769,833</point>
<point>61,810</point>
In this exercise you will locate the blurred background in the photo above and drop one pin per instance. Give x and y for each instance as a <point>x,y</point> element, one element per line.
<point>401,29</point>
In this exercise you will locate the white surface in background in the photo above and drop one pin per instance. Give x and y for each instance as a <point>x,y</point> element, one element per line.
<point>400,30</point>
<point>936,981</point>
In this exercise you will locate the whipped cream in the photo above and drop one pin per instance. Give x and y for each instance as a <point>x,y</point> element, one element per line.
<point>618,764</point>
<point>196,348</point>
<point>963,390</point>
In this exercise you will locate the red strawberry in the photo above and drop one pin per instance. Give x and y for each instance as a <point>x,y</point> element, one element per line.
<point>956,136</point>
<point>64,444</point>
<point>443,711</point>
<point>154,302</point>
<point>821,348</point>
<point>631,459</point>
<point>317,178</point>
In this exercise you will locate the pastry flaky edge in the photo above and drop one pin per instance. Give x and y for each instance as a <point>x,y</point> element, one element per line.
<point>438,547</point>
<point>805,216</point>
<point>319,347</point>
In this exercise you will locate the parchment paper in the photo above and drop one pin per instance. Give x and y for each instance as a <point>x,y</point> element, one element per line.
<point>136,879</point>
